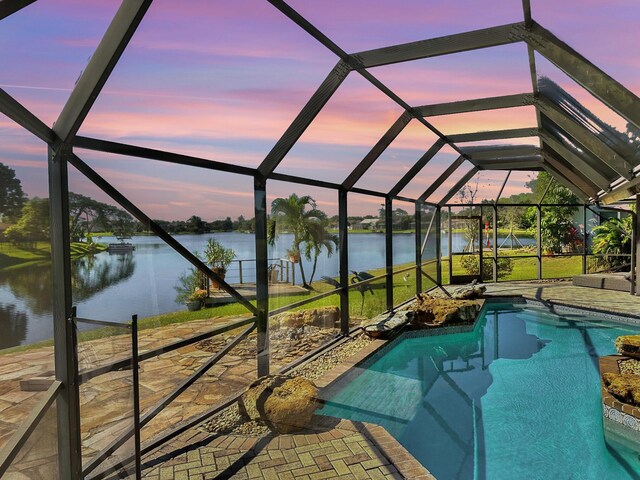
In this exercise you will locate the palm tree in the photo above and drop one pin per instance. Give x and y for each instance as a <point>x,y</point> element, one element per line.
<point>319,237</point>
<point>291,215</point>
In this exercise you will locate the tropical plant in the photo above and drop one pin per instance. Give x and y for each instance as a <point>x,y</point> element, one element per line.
<point>612,239</point>
<point>189,285</point>
<point>295,215</point>
<point>218,256</point>
<point>319,238</point>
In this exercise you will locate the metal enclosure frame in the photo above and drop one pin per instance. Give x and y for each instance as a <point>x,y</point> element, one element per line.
<point>590,182</point>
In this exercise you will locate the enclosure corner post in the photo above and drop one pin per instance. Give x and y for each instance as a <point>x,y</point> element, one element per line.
<point>68,403</point>
<point>495,243</point>
<point>450,243</point>
<point>388,235</point>
<point>438,245</point>
<point>584,242</point>
<point>539,240</point>
<point>635,248</point>
<point>262,274</point>
<point>418,233</point>
<point>344,260</point>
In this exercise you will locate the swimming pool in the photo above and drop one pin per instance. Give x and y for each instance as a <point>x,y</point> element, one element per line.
<point>518,397</point>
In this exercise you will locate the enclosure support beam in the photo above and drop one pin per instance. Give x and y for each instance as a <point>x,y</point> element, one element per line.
<point>68,403</point>
<point>584,237</point>
<point>461,183</point>
<point>130,207</point>
<point>539,240</point>
<point>23,117</point>
<point>585,73</point>
<point>377,150</point>
<point>104,59</point>
<point>461,42</point>
<point>636,247</point>
<point>304,118</point>
<point>416,167</point>
<point>262,274</point>
<point>10,7</point>
<point>343,250</point>
<point>438,215</point>
<point>577,162</point>
<point>418,238</point>
<point>494,135</point>
<point>495,239</point>
<point>476,105</point>
<point>446,174</point>
<point>388,235</point>
<point>450,243</point>
<point>584,137</point>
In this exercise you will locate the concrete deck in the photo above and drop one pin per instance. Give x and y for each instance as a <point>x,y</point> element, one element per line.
<point>564,292</point>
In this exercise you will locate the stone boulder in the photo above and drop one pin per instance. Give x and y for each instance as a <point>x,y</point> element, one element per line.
<point>387,324</point>
<point>468,292</point>
<point>625,388</point>
<point>431,311</point>
<point>324,317</point>
<point>283,402</point>
<point>628,345</point>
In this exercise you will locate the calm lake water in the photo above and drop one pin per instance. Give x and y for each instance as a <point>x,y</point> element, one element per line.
<point>113,287</point>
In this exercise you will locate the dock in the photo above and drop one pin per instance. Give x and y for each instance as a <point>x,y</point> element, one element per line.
<point>248,291</point>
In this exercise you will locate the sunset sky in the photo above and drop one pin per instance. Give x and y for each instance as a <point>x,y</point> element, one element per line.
<point>223,80</point>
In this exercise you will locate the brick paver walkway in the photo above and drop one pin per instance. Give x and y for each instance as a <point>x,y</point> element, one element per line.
<point>333,448</point>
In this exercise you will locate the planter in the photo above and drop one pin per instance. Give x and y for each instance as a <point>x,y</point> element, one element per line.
<point>221,272</point>
<point>194,305</point>
<point>294,258</point>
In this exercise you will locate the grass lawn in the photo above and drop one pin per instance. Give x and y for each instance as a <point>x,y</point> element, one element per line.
<point>362,305</point>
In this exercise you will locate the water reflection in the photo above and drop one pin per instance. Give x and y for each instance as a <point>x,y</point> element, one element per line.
<point>92,274</point>
<point>26,298</point>
<point>14,326</point>
<point>442,380</point>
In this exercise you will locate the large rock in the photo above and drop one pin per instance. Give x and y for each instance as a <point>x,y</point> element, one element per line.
<point>625,388</point>
<point>387,324</point>
<point>628,345</point>
<point>436,311</point>
<point>468,292</point>
<point>283,402</point>
<point>324,317</point>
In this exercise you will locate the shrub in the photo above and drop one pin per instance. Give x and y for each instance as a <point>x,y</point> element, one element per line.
<point>471,263</point>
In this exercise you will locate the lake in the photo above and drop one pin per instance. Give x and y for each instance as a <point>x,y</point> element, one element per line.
<point>113,287</point>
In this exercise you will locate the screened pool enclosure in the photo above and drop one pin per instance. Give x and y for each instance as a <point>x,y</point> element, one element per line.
<point>440,145</point>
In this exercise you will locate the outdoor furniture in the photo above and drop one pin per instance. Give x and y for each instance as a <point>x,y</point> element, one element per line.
<point>605,281</point>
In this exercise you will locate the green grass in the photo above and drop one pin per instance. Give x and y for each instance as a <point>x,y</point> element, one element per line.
<point>12,255</point>
<point>19,256</point>
<point>374,299</point>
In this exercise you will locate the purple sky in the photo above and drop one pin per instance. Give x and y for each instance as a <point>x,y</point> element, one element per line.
<point>223,80</point>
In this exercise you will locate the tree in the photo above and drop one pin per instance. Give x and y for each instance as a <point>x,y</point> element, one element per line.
<point>319,238</point>
<point>12,198</point>
<point>291,215</point>
<point>87,215</point>
<point>195,224</point>
<point>556,223</point>
<point>33,224</point>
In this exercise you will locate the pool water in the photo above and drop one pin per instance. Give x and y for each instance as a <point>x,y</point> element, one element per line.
<point>516,398</point>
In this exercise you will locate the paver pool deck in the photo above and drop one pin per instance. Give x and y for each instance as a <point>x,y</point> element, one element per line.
<point>197,454</point>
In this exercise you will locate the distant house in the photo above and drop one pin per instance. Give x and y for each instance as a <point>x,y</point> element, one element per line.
<point>368,224</point>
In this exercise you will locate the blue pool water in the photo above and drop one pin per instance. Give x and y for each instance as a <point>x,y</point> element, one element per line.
<point>516,398</point>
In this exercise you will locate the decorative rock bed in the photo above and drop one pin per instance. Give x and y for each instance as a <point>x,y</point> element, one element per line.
<point>620,379</point>
<point>430,310</point>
